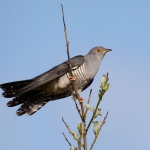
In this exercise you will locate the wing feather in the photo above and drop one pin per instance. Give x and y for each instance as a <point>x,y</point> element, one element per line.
<point>52,74</point>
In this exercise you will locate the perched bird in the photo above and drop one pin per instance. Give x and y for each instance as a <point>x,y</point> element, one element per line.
<point>53,84</point>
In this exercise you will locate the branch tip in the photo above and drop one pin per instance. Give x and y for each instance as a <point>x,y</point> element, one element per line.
<point>66,139</point>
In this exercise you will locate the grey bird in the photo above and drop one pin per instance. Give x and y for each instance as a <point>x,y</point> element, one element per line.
<point>53,84</point>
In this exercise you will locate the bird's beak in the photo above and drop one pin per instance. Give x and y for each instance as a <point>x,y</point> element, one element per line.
<point>107,50</point>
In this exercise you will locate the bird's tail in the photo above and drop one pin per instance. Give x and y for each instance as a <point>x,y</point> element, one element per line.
<point>30,107</point>
<point>30,103</point>
<point>11,87</point>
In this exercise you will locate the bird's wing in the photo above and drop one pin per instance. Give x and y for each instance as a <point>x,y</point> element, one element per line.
<point>52,74</point>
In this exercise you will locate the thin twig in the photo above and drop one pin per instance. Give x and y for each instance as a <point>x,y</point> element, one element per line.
<point>88,103</point>
<point>100,98</point>
<point>69,62</point>
<point>71,74</point>
<point>79,141</point>
<point>106,116</point>
<point>67,43</point>
<point>77,108</point>
<point>66,36</point>
<point>84,119</point>
<point>96,136</point>
<point>66,139</point>
<point>66,125</point>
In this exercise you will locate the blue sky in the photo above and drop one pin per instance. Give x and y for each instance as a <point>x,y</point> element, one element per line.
<point>32,41</point>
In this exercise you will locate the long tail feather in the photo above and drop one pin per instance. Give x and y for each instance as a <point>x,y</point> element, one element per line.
<point>30,107</point>
<point>11,87</point>
<point>15,101</point>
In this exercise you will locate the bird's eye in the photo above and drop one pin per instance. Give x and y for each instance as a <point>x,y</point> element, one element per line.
<point>98,50</point>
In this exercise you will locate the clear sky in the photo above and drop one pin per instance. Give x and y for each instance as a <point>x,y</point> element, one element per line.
<point>32,41</point>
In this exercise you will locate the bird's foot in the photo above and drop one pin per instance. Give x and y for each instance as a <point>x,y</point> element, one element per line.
<point>81,100</point>
<point>72,78</point>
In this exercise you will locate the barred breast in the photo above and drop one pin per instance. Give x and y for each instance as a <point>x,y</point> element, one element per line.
<point>81,79</point>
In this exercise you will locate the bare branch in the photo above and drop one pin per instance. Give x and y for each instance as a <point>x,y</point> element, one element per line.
<point>73,134</point>
<point>78,109</point>
<point>106,116</point>
<point>79,142</point>
<point>66,125</point>
<point>66,139</point>
<point>71,74</point>
<point>66,36</point>
<point>88,103</point>
<point>70,68</point>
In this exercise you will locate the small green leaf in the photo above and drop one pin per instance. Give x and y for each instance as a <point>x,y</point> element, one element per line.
<point>88,107</point>
<point>104,85</point>
<point>81,128</point>
<point>76,137</point>
<point>98,113</point>
<point>96,127</point>
<point>104,80</point>
<point>78,127</point>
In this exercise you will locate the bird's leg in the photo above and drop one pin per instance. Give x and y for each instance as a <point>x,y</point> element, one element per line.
<point>72,78</point>
<point>81,100</point>
<point>75,97</point>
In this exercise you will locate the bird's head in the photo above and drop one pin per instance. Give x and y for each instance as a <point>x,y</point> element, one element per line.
<point>93,60</point>
<point>99,51</point>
